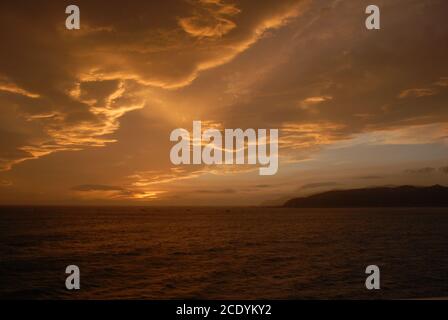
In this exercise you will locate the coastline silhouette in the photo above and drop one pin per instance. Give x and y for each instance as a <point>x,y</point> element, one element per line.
<point>403,196</point>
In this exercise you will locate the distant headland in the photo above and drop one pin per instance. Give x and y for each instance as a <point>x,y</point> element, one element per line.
<point>403,196</point>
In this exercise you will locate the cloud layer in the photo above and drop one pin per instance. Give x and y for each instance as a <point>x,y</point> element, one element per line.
<point>94,108</point>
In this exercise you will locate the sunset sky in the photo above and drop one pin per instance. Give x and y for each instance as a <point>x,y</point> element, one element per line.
<point>86,114</point>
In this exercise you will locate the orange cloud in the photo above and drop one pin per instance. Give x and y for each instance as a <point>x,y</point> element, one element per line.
<point>417,93</point>
<point>212,19</point>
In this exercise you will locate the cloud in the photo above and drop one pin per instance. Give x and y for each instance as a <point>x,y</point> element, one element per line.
<point>426,170</point>
<point>401,135</point>
<point>431,90</point>
<point>417,93</point>
<point>320,185</point>
<point>149,178</point>
<point>106,192</point>
<point>211,20</point>
<point>442,82</point>
<point>371,177</point>
<point>72,88</point>
<point>317,99</point>
<point>98,104</point>
<point>263,186</point>
<point>10,87</point>
<point>5,183</point>
<point>96,187</point>
<point>306,136</point>
<point>219,191</point>
<point>444,169</point>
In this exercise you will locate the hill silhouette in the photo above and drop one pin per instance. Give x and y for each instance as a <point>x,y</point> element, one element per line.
<point>404,196</point>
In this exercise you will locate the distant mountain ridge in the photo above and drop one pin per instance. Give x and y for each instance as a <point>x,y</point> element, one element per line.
<point>403,196</point>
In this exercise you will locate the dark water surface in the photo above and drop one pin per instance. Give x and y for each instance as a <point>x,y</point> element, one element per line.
<point>219,253</point>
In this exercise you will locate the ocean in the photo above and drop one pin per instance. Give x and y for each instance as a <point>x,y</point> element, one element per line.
<point>223,253</point>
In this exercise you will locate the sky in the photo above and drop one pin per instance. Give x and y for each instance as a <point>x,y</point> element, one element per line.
<point>86,115</point>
